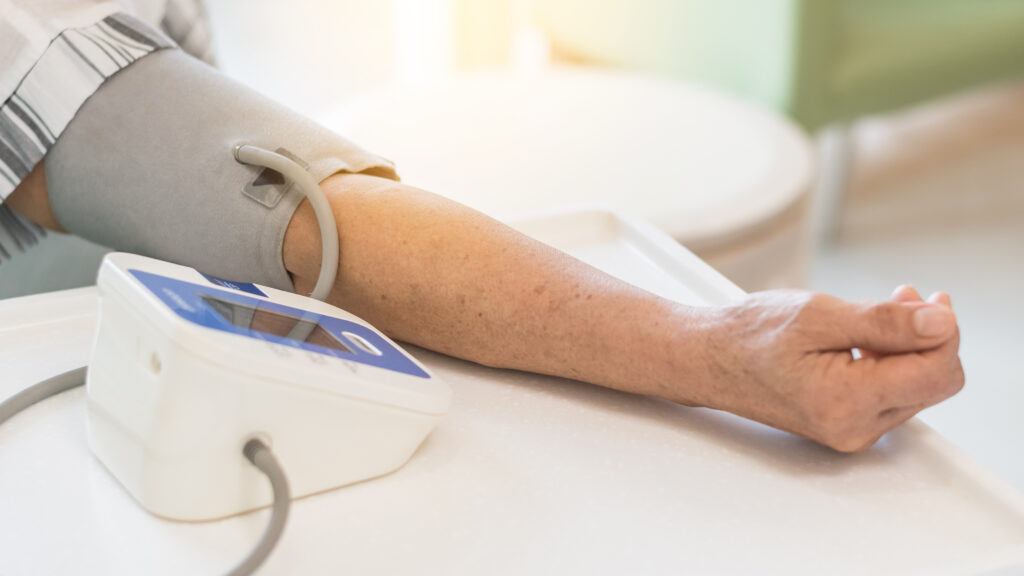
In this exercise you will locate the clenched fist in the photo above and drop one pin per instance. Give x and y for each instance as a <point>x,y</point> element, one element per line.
<point>838,373</point>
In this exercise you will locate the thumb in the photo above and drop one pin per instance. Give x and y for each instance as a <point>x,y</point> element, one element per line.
<point>893,327</point>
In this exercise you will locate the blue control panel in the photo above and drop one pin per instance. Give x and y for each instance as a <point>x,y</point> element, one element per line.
<point>243,286</point>
<point>272,322</point>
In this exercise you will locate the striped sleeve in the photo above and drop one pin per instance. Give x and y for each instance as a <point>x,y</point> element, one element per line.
<point>188,24</point>
<point>70,70</point>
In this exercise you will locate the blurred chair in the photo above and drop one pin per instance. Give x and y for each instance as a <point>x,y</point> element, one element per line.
<point>824,63</point>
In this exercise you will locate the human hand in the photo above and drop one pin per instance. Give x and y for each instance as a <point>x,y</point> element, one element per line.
<point>784,358</point>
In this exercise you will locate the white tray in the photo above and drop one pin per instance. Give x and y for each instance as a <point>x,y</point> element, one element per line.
<point>528,475</point>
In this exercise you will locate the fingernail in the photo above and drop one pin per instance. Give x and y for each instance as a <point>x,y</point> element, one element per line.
<point>931,321</point>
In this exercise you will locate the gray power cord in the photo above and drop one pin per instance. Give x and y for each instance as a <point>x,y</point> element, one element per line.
<point>260,456</point>
<point>41,391</point>
<point>255,451</point>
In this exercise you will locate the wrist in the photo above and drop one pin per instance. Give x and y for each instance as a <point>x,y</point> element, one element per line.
<point>682,350</point>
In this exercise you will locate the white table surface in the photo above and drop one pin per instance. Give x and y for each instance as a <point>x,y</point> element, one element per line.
<point>527,475</point>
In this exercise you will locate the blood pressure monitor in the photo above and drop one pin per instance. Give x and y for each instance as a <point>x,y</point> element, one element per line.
<point>186,368</point>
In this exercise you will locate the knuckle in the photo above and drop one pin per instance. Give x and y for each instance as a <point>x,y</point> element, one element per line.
<point>958,380</point>
<point>854,443</point>
<point>809,304</point>
<point>832,420</point>
<point>848,444</point>
<point>843,432</point>
<point>839,421</point>
<point>885,314</point>
<point>943,381</point>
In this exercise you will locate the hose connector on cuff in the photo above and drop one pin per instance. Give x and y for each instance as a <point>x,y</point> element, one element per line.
<point>303,180</point>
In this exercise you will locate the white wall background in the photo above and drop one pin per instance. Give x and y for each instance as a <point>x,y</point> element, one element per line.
<point>313,54</point>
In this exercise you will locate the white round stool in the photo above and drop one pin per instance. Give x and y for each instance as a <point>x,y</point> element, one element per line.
<point>729,180</point>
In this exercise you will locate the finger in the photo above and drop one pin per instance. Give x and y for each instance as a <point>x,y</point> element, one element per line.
<point>882,424</point>
<point>906,293</point>
<point>903,293</point>
<point>886,327</point>
<point>918,379</point>
<point>888,421</point>
<point>893,417</point>
<point>943,299</point>
<point>875,431</point>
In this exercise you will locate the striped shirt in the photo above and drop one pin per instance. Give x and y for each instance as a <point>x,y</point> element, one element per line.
<point>54,54</point>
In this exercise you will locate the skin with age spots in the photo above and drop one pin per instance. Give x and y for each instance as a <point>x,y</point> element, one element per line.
<point>437,274</point>
<point>782,358</point>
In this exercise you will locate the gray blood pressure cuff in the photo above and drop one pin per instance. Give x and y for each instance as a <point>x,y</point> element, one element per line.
<point>147,166</point>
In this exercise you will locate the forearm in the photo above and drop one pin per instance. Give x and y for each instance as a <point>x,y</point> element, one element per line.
<point>432,272</point>
<point>429,271</point>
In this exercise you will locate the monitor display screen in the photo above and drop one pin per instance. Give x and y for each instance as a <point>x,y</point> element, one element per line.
<point>275,324</point>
